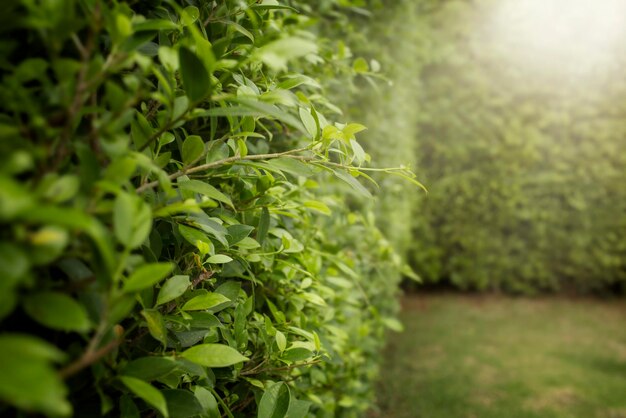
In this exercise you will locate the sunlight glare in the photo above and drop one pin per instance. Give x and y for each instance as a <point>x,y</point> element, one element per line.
<point>576,37</point>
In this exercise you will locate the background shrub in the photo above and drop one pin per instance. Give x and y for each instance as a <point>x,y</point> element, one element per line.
<point>183,233</point>
<point>525,170</point>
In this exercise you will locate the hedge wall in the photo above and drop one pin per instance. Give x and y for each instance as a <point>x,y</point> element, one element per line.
<point>182,226</point>
<point>525,167</point>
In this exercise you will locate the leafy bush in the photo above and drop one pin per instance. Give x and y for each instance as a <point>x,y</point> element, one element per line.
<point>525,176</point>
<point>176,236</point>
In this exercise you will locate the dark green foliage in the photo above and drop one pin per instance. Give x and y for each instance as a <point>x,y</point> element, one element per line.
<point>175,234</point>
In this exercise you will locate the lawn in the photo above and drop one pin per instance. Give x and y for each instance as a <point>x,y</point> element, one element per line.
<point>502,357</point>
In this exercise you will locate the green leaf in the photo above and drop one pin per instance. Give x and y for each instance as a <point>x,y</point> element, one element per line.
<point>264,224</point>
<point>275,401</point>
<point>205,189</point>
<point>146,392</point>
<point>149,368</point>
<point>147,275</point>
<point>278,53</point>
<point>213,355</point>
<point>292,166</point>
<point>352,182</point>
<point>155,24</point>
<point>140,130</point>
<point>219,259</point>
<point>14,264</point>
<point>193,148</point>
<point>182,403</point>
<point>298,408</point>
<point>172,288</point>
<point>272,7</point>
<point>128,408</point>
<point>74,219</point>
<point>156,325</point>
<point>267,110</point>
<point>194,74</point>
<point>318,206</point>
<point>132,220</point>
<point>29,381</point>
<point>309,122</point>
<point>189,15</point>
<point>238,232</point>
<point>205,301</point>
<point>296,354</point>
<point>281,341</point>
<point>208,402</point>
<point>197,238</point>
<point>352,129</point>
<point>236,26</point>
<point>360,65</point>
<point>58,311</point>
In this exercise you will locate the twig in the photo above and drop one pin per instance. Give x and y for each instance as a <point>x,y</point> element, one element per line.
<point>205,275</point>
<point>88,358</point>
<point>82,86</point>
<point>278,369</point>
<point>225,161</point>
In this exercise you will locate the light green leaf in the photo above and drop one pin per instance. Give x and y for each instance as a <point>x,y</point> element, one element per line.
<point>275,401</point>
<point>298,408</point>
<point>197,238</point>
<point>58,311</point>
<point>219,259</point>
<point>146,392</point>
<point>281,341</point>
<point>317,206</point>
<point>189,15</point>
<point>205,189</point>
<point>213,355</point>
<point>208,402</point>
<point>172,288</point>
<point>309,122</point>
<point>292,166</point>
<point>147,275</point>
<point>296,354</point>
<point>154,24</point>
<point>278,53</point>
<point>193,148</point>
<point>352,129</point>
<point>205,301</point>
<point>28,379</point>
<point>352,182</point>
<point>360,65</point>
<point>132,220</point>
<point>156,325</point>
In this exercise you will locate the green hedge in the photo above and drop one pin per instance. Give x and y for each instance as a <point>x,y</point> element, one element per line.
<point>525,170</point>
<point>183,231</point>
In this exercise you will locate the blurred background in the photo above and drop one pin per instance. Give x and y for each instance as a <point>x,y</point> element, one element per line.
<point>513,115</point>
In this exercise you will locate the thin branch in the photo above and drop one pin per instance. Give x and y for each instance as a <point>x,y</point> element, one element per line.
<point>88,358</point>
<point>163,129</point>
<point>278,369</point>
<point>225,161</point>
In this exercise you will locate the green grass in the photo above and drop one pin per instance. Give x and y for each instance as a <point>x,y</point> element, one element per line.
<point>500,357</point>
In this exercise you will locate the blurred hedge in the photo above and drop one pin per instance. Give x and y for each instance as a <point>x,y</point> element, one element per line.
<point>525,170</point>
<point>183,232</point>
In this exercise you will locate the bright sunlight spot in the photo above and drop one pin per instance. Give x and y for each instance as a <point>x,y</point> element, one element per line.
<point>563,37</point>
